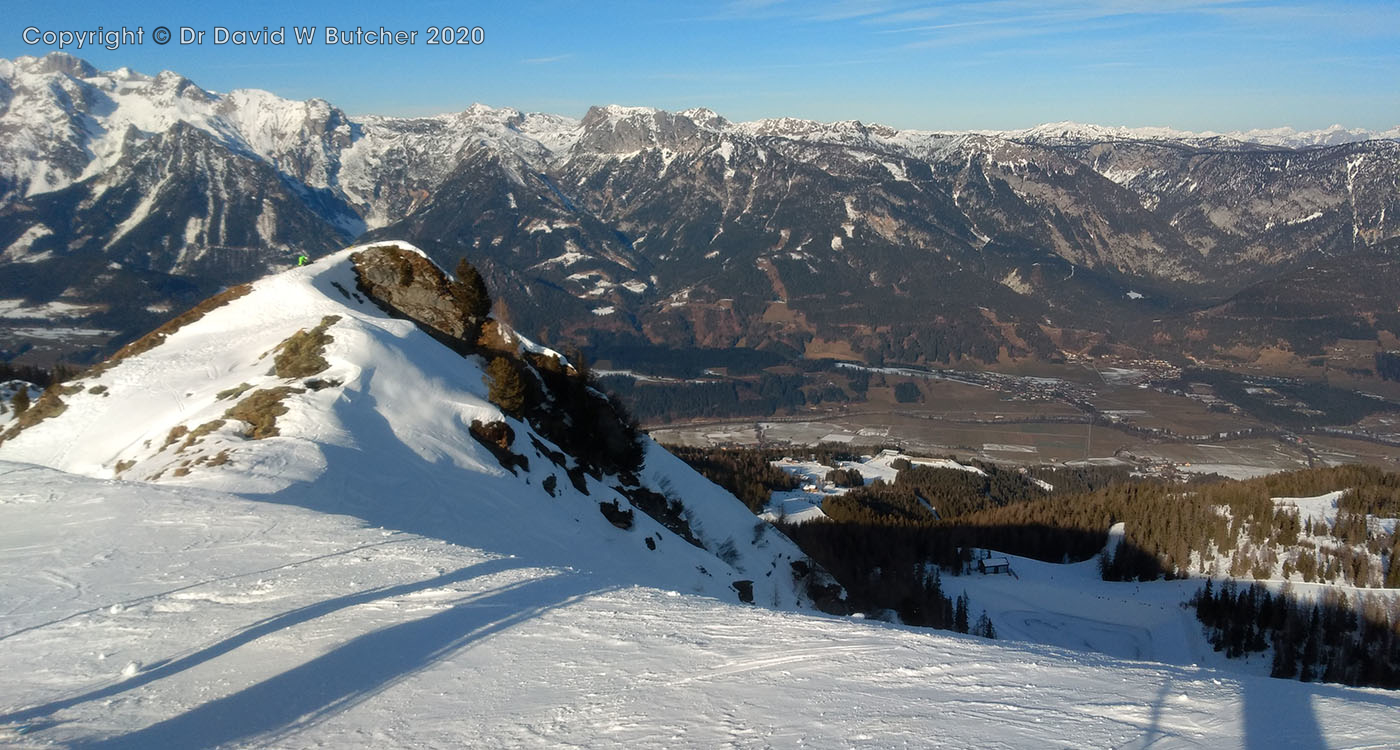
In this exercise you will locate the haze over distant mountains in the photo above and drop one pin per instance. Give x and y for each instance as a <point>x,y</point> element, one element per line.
<point>125,196</point>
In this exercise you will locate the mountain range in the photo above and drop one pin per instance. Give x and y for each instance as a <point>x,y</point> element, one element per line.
<point>125,198</point>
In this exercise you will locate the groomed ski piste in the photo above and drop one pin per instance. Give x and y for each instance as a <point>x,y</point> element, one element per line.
<point>371,577</point>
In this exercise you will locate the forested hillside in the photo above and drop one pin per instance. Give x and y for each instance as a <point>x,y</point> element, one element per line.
<point>1328,531</point>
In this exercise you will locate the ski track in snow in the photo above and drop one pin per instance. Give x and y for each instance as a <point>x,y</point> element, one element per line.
<point>256,624</point>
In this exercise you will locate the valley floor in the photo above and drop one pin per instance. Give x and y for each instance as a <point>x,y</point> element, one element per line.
<point>136,616</point>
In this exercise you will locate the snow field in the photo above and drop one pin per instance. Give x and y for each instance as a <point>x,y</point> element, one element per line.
<point>177,617</point>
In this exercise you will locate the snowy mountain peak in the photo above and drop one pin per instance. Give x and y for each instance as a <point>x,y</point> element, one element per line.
<point>56,62</point>
<point>706,118</point>
<point>127,74</point>
<point>1080,132</point>
<point>617,129</point>
<point>619,111</point>
<point>842,131</point>
<point>480,115</point>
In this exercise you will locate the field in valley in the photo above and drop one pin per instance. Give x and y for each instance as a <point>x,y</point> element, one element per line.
<point>1044,418</point>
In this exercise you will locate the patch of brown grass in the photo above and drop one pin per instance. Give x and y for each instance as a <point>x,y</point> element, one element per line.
<point>176,432</point>
<point>199,432</point>
<point>48,405</point>
<point>260,409</point>
<point>234,392</point>
<point>302,354</point>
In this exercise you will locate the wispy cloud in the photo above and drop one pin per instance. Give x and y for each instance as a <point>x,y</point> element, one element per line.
<point>817,11</point>
<point>948,24</point>
<point>545,60</point>
<point>930,19</point>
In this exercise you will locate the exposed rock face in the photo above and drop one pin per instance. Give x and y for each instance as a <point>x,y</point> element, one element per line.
<point>408,285</point>
<point>614,129</point>
<point>497,433</point>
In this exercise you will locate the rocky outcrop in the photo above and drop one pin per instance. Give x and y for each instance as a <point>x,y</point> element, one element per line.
<point>408,285</point>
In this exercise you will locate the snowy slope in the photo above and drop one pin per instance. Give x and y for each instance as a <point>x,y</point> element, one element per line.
<point>385,439</point>
<point>1071,606</point>
<point>141,616</point>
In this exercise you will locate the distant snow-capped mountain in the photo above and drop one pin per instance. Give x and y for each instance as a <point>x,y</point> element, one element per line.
<point>131,194</point>
<point>66,121</point>
<point>1285,137</point>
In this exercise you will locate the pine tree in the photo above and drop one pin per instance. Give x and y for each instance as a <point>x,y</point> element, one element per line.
<point>473,301</point>
<point>960,614</point>
<point>984,627</point>
<point>1392,577</point>
<point>20,401</point>
<point>507,388</point>
<point>1285,663</point>
<point>580,362</point>
<point>1311,648</point>
<point>1205,604</point>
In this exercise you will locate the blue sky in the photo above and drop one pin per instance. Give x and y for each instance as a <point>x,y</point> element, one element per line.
<point>1190,64</point>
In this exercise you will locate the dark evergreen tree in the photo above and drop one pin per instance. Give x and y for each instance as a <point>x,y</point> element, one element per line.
<point>20,401</point>
<point>1388,365</point>
<point>1311,648</point>
<point>845,477</point>
<point>473,301</point>
<point>984,626</point>
<point>1285,662</point>
<point>1392,576</point>
<point>506,386</point>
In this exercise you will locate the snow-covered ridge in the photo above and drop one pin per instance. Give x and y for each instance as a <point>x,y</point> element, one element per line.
<point>382,433</point>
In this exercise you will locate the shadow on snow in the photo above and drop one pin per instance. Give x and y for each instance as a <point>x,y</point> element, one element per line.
<point>350,673</point>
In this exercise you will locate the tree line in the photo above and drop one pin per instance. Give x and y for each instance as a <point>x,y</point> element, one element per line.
<point>1336,638</point>
<point>1388,365</point>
